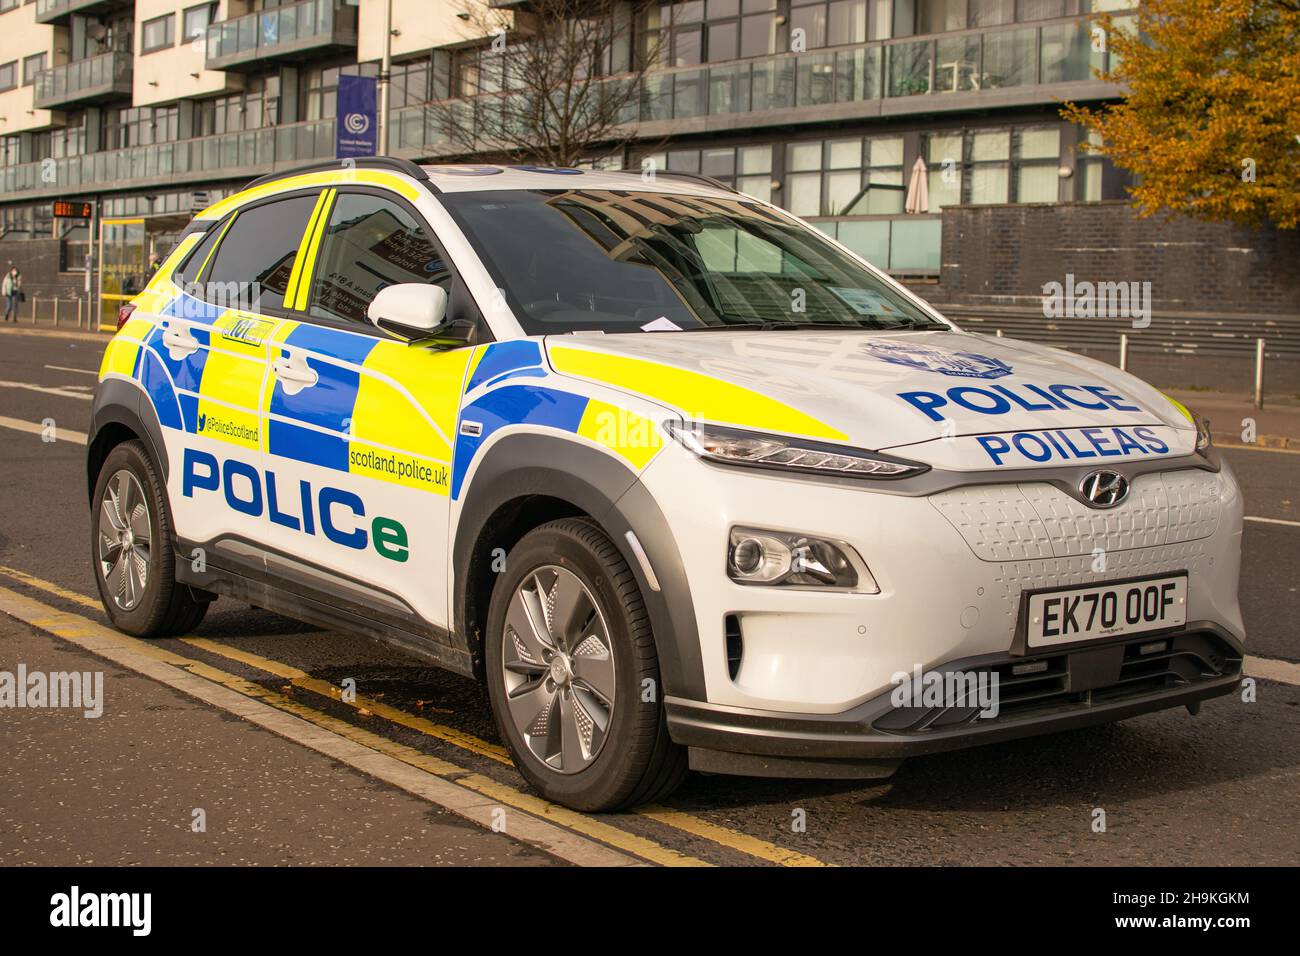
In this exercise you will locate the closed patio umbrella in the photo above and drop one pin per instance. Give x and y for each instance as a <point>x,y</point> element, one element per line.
<point>918,190</point>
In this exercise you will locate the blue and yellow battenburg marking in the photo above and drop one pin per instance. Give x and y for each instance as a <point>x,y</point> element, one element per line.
<point>379,409</point>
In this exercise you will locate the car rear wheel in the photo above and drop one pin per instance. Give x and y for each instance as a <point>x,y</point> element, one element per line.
<point>135,565</point>
<point>573,674</point>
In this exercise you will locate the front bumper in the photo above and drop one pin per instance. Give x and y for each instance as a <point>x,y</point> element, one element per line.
<point>1071,688</point>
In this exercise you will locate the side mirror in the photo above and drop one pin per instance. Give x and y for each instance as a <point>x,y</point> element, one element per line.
<point>415,312</point>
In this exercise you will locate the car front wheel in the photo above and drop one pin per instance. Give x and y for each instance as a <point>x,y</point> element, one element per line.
<point>573,674</point>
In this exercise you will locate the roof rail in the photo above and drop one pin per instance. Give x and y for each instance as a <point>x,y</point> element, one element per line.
<point>414,170</point>
<point>697,177</point>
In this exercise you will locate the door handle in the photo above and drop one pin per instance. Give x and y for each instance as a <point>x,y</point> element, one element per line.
<point>180,343</point>
<point>294,373</point>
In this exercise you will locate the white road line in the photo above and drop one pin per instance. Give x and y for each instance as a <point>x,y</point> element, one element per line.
<point>60,433</point>
<point>46,389</point>
<point>65,368</point>
<point>1284,672</point>
<point>1292,524</point>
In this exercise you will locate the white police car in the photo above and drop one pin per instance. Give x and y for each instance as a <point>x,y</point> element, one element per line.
<point>679,478</point>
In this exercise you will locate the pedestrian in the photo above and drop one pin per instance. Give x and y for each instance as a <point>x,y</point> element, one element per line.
<point>12,290</point>
<point>153,267</point>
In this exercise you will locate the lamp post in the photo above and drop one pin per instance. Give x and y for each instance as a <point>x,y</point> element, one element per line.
<point>385,67</point>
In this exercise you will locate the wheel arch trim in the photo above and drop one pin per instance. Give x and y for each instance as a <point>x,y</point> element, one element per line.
<point>122,402</point>
<point>528,465</point>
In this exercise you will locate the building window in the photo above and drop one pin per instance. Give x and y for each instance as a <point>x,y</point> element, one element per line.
<point>827,23</point>
<point>31,66</point>
<point>9,146</point>
<point>158,33</point>
<point>7,5</point>
<point>257,107</point>
<point>321,86</point>
<point>845,177</point>
<point>8,75</point>
<point>943,154</point>
<point>747,168</point>
<point>692,32</point>
<point>141,126</point>
<point>1038,160</point>
<point>195,20</point>
<point>990,157</point>
<point>409,85</point>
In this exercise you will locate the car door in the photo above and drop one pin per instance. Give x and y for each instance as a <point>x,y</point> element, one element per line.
<point>365,448</point>
<point>213,342</point>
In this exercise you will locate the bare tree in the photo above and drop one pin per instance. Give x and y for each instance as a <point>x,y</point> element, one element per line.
<point>556,82</point>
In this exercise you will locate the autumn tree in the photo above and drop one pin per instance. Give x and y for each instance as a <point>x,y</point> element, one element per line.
<point>555,83</point>
<point>1210,124</point>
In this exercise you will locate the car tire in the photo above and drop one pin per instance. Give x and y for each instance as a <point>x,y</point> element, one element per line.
<point>563,751</point>
<point>131,549</point>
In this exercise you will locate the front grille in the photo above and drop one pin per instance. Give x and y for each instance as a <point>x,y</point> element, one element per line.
<point>1077,680</point>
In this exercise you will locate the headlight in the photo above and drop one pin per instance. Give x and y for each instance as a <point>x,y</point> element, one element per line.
<point>1203,440</point>
<point>1202,425</point>
<point>787,559</point>
<point>735,446</point>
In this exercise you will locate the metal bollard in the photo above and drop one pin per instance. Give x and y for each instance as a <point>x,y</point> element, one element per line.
<point>999,333</point>
<point>78,311</point>
<point>56,311</point>
<point>1123,351</point>
<point>33,310</point>
<point>1259,373</point>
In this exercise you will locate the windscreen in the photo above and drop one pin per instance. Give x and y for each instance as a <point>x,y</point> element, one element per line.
<point>618,261</point>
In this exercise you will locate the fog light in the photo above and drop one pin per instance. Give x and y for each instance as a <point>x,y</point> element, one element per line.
<point>796,560</point>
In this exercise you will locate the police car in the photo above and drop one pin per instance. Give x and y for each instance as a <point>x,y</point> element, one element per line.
<point>682,480</point>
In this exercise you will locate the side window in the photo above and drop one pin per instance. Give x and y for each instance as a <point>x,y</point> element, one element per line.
<point>370,243</point>
<point>255,259</point>
<point>189,270</point>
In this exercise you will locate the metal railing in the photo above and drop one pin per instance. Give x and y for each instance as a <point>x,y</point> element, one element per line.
<point>95,76</point>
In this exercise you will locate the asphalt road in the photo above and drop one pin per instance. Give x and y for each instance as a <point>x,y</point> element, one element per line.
<point>1220,788</point>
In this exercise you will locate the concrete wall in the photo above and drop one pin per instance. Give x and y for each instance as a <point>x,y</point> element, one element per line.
<point>21,36</point>
<point>165,76</point>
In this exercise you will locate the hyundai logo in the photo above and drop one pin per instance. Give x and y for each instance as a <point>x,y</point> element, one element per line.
<point>1104,489</point>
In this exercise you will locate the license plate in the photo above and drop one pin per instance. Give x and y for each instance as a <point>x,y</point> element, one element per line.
<point>1068,615</point>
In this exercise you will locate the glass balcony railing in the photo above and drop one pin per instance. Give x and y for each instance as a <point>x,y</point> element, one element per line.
<point>904,244</point>
<point>972,62</point>
<point>281,32</point>
<point>55,11</point>
<point>224,155</point>
<point>106,75</point>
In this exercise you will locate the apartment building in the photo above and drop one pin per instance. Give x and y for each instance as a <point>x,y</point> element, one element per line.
<point>151,108</point>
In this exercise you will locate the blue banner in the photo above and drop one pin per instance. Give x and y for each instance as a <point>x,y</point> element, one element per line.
<point>356,119</point>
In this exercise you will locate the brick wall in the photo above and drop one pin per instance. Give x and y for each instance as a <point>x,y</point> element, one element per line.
<point>995,255</point>
<point>38,259</point>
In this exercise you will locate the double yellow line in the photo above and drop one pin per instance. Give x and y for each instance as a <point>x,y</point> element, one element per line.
<point>75,628</point>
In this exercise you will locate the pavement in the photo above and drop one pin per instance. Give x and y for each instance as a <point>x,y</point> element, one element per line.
<point>244,720</point>
<point>1235,420</point>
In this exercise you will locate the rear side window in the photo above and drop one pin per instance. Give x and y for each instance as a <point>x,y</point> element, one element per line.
<point>370,243</point>
<point>255,259</point>
<point>189,270</point>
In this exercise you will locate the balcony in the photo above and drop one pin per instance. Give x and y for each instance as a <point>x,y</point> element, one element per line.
<point>103,77</point>
<point>312,28</point>
<point>58,11</point>
<point>247,153</point>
